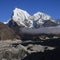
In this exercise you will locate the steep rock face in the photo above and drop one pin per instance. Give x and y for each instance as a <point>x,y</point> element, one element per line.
<point>49,23</point>
<point>21,18</point>
<point>6,32</point>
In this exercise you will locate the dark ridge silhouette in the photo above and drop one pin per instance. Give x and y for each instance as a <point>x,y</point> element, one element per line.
<point>48,42</point>
<point>49,23</point>
<point>51,42</point>
<point>47,54</point>
<point>6,32</point>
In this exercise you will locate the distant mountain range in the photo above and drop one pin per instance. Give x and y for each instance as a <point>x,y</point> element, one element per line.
<point>22,19</point>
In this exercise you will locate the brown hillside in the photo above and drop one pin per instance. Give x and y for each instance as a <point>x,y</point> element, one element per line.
<point>6,32</point>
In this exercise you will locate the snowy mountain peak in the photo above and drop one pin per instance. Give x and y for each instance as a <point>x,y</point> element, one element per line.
<point>43,16</point>
<point>23,18</point>
<point>19,14</point>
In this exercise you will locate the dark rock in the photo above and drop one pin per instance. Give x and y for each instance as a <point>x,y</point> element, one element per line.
<point>49,23</point>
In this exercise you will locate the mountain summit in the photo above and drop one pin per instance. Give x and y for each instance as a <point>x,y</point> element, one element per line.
<point>23,18</point>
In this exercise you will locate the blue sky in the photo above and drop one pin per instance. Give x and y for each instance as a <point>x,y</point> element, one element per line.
<point>50,7</point>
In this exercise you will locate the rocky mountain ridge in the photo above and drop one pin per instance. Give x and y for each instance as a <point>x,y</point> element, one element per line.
<point>23,18</point>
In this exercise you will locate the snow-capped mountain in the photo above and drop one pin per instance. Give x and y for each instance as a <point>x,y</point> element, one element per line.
<point>40,15</point>
<point>20,17</point>
<point>23,23</point>
<point>23,18</point>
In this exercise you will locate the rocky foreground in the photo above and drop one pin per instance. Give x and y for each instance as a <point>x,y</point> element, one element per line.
<point>30,50</point>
